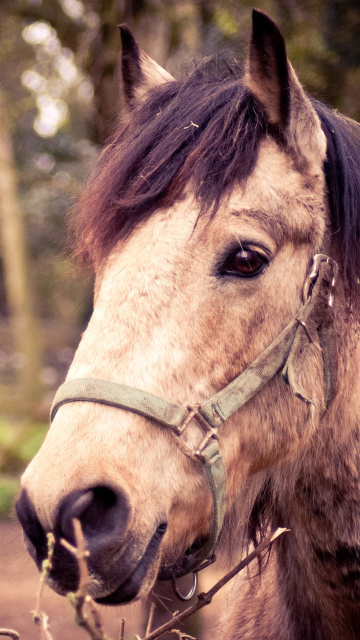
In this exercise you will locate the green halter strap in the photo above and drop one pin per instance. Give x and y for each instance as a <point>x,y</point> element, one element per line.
<point>312,323</point>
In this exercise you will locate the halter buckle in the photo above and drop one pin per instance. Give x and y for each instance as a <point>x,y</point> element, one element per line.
<point>210,432</point>
<point>185,597</point>
<point>314,273</point>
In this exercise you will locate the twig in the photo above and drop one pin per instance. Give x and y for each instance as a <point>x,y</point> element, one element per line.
<point>150,618</point>
<point>122,629</point>
<point>45,626</point>
<point>204,599</point>
<point>10,633</point>
<point>90,622</point>
<point>45,570</point>
<point>40,618</point>
<point>192,124</point>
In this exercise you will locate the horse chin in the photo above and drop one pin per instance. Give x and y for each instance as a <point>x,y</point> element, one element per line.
<point>133,588</point>
<point>140,581</point>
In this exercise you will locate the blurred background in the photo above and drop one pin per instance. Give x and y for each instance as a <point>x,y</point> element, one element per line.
<point>59,101</point>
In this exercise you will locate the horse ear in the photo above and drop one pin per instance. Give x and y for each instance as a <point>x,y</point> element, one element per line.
<point>272,80</point>
<point>139,72</point>
<point>268,72</point>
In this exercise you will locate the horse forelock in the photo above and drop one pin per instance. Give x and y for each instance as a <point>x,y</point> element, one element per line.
<point>204,130</point>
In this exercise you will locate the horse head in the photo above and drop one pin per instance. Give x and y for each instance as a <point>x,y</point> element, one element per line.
<point>201,223</point>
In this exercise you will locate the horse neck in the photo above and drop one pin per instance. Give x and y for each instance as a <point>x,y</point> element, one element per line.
<point>319,561</point>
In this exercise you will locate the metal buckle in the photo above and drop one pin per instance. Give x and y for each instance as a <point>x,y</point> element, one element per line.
<point>313,275</point>
<point>210,432</point>
<point>189,595</point>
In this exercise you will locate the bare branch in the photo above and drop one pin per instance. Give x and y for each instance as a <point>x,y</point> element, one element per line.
<point>122,629</point>
<point>10,633</point>
<point>45,625</point>
<point>150,618</point>
<point>40,618</point>
<point>181,635</point>
<point>206,598</point>
<point>81,600</point>
<point>45,570</point>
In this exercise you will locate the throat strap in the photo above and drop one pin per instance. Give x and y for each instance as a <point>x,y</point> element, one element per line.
<point>314,317</point>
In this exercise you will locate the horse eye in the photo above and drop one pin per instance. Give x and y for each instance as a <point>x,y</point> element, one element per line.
<point>245,263</point>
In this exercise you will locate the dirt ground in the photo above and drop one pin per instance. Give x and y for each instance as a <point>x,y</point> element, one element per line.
<point>19,581</point>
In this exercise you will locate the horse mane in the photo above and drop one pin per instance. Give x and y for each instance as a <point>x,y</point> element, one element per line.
<point>342,173</point>
<point>205,129</point>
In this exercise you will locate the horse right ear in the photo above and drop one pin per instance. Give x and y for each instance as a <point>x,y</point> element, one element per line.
<point>139,72</point>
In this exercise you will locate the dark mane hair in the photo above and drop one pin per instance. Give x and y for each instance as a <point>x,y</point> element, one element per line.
<point>205,129</point>
<point>342,172</point>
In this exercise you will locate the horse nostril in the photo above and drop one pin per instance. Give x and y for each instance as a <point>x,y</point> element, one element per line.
<point>103,513</point>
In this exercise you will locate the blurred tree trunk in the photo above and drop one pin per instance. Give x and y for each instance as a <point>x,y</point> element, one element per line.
<point>17,272</point>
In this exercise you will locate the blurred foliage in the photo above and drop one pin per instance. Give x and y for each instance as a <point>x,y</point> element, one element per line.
<point>8,489</point>
<point>19,442</point>
<point>51,168</point>
<point>59,87</point>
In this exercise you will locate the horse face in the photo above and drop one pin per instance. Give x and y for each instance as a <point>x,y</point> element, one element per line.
<point>182,306</point>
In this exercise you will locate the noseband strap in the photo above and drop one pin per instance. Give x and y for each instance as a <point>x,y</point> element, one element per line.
<point>312,322</point>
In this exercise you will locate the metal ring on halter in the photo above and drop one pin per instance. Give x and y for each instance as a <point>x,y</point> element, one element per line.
<point>191,592</point>
<point>314,272</point>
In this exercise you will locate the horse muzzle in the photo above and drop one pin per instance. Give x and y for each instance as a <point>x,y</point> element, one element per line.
<point>118,564</point>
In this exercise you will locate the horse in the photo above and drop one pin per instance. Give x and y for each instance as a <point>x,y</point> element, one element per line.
<point>214,395</point>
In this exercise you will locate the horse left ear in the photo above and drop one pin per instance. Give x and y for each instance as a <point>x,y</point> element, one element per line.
<point>139,72</point>
<point>272,80</point>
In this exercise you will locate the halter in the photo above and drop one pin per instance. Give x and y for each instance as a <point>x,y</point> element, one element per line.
<point>313,324</point>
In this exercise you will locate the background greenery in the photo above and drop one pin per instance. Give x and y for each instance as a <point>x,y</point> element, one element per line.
<point>59,99</point>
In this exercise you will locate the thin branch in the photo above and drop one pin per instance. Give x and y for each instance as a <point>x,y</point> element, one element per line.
<point>204,599</point>
<point>150,618</point>
<point>40,618</point>
<point>122,629</point>
<point>45,570</point>
<point>81,599</point>
<point>45,626</point>
<point>10,633</point>
<point>181,635</point>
